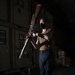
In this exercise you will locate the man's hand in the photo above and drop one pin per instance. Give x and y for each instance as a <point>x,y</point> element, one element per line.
<point>34,34</point>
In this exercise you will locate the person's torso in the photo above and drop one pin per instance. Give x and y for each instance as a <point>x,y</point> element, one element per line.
<point>44,44</point>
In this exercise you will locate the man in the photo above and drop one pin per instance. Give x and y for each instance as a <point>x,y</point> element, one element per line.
<point>45,52</point>
<point>63,12</point>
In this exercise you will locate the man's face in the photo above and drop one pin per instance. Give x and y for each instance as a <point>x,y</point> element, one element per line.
<point>42,24</point>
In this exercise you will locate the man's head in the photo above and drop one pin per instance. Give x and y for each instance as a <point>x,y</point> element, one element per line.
<point>42,23</point>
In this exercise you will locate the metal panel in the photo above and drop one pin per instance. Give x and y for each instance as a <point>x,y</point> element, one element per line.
<point>4,49</point>
<point>3,10</point>
<point>26,59</point>
<point>21,12</point>
<point>36,57</point>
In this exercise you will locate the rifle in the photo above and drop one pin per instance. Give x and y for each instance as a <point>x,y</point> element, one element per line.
<point>29,34</point>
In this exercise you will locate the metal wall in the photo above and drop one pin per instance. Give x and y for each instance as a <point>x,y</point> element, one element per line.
<point>21,12</point>
<point>14,23</point>
<point>4,49</point>
<point>3,10</point>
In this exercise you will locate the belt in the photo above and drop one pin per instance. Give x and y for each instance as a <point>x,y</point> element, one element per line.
<point>43,51</point>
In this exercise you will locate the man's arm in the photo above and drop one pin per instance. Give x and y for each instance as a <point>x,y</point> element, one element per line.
<point>46,37</point>
<point>34,45</point>
<point>33,42</point>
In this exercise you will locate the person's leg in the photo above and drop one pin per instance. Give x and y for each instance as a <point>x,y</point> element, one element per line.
<point>48,68</point>
<point>48,63</point>
<point>41,64</point>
